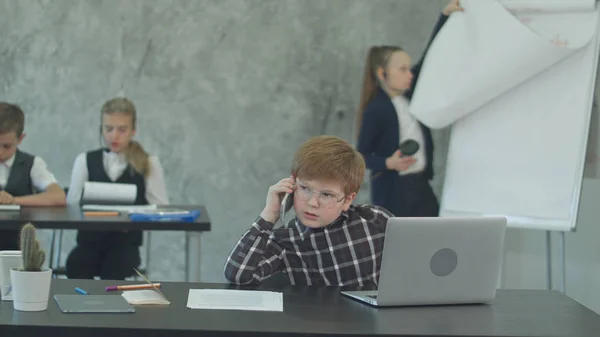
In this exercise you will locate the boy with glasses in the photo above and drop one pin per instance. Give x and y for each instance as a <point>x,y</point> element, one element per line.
<point>330,241</point>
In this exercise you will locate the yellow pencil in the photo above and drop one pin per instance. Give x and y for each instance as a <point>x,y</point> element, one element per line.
<point>133,287</point>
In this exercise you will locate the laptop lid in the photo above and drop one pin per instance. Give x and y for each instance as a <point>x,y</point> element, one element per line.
<point>441,260</point>
<point>70,303</point>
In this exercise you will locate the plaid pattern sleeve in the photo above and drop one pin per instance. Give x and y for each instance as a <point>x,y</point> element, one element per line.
<point>255,257</point>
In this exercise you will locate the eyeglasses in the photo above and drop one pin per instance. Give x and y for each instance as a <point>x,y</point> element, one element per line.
<point>326,199</point>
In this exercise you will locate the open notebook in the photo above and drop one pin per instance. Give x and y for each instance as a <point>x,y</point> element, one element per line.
<point>144,297</point>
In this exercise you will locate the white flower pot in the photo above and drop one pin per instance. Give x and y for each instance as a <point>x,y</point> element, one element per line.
<point>31,289</point>
<point>8,259</point>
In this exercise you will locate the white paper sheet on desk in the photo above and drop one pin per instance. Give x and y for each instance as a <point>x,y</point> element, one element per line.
<point>225,299</point>
<point>108,193</point>
<point>10,208</point>
<point>119,208</point>
<point>493,47</point>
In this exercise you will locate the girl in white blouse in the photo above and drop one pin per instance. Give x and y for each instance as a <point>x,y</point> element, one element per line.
<point>114,254</point>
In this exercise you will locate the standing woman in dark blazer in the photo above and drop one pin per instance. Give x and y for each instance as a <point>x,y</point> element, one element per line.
<point>398,183</point>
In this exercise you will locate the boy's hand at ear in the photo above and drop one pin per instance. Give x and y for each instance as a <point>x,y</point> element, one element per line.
<point>397,163</point>
<point>6,198</point>
<point>274,198</point>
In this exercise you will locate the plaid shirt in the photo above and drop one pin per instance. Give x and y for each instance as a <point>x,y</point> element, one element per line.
<point>347,252</point>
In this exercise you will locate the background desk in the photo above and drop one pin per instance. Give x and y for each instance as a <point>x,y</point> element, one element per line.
<point>71,217</point>
<point>310,312</point>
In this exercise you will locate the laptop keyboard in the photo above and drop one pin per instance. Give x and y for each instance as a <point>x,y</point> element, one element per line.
<point>372,296</point>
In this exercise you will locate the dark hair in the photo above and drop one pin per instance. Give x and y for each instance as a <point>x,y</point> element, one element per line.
<point>11,118</point>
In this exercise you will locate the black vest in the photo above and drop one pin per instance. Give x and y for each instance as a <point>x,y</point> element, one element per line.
<point>96,172</point>
<point>19,178</point>
<point>18,184</point>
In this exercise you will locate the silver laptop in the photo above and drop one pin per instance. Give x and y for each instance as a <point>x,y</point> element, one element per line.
<point>93,303</point>
<point>435,261</point>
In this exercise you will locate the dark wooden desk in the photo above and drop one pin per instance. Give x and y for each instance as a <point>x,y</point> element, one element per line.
<point>71,217</point>
<point>311,312</point>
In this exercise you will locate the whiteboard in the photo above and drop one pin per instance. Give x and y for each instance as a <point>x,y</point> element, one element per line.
<point>519,112</point>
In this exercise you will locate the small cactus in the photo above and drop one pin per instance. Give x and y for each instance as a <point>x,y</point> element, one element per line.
<point>33,255</point>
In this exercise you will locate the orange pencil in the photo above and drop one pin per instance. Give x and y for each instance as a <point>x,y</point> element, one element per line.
<point>101,213</point>
<point>133,287</point>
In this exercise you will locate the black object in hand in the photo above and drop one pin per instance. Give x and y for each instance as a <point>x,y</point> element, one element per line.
<point>408,147</point>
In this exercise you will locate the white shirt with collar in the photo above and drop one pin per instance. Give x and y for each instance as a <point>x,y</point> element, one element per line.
<point>410,128</point>
<point>114,166</point>
<point>40,176</point>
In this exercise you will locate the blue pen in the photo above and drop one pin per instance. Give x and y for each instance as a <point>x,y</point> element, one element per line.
<point>81,291</point>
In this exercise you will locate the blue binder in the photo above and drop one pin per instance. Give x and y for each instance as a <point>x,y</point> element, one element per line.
<point>160,215</point>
